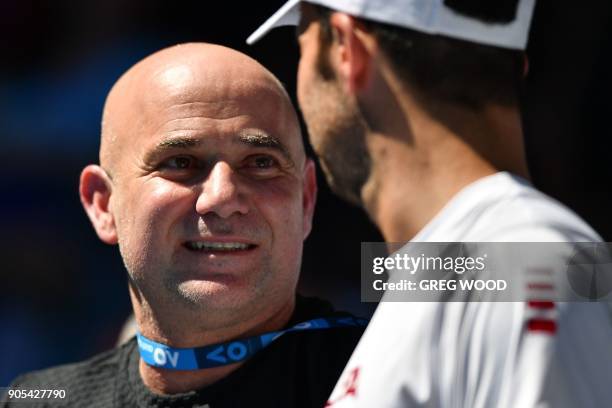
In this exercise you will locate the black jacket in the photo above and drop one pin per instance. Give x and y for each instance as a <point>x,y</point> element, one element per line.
<point>299,369</point>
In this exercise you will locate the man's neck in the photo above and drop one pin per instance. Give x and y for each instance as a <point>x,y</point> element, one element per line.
<point>164,381</point>
<point>412,181</point>
<point>168,382</point>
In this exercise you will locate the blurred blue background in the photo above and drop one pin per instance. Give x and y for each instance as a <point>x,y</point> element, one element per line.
<point>63,294</point>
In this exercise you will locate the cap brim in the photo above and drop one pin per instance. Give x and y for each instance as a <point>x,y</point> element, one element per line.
<point>288,15</point>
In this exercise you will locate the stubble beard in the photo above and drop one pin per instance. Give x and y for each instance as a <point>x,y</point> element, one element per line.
<point>176,303</point>
<point>338,135</point>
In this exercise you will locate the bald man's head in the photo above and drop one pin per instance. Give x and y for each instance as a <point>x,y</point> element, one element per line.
<point>210,196</point>
<point>185,73</point>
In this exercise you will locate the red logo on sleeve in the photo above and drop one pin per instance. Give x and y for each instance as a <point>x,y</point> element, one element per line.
<point>349,385</point>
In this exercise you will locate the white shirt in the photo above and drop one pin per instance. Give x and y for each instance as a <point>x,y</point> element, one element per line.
<point>483,354</point>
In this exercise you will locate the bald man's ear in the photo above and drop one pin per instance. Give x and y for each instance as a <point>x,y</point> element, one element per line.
<point>353,54</point>
<point>309,197</point>
<point>95,190</point>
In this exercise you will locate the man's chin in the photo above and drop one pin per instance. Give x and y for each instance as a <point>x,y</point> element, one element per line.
<point>206,291</point>
<point>341,189</point>
<point>226,295</point>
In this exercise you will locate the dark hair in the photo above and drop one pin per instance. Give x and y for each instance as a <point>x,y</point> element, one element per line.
<point>447,70</point>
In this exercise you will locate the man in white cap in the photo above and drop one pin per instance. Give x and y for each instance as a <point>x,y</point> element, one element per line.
<point>413,109</point>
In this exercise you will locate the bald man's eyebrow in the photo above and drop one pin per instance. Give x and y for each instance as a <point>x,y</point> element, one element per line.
<point>177,142</point>
<point>169,144</point>
<point>261,139</point>
<point>252,138</point>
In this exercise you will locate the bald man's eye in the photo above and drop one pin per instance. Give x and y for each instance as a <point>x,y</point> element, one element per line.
<point>262,165</point>
<point>179,163</point>
<point>264,162</point>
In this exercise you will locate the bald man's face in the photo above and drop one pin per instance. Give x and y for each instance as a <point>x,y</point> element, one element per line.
<point>211,194</point>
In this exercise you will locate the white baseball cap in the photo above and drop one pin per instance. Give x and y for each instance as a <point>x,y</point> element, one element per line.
<point>428,16</point>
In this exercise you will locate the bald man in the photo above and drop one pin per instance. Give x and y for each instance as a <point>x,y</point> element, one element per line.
<point>204,185</point>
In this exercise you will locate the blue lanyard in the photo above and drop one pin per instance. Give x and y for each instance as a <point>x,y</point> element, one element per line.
<point>220,354</point>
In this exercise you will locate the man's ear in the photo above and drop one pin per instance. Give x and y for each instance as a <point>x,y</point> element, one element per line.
<point>309,196</point>
<point>353,53</point>
<point>95,190</point>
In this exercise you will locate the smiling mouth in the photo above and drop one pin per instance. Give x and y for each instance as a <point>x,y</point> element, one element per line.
<point>199,246</point>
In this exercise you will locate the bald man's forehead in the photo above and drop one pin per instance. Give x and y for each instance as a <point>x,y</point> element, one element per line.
<point>179,100</point>
<point>181,92</point>
<point>180,76</point>
<point>196,85</point>
<point>210,84</point>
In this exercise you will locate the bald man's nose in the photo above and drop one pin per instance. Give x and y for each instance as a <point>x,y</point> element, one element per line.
<point>220,193</point>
